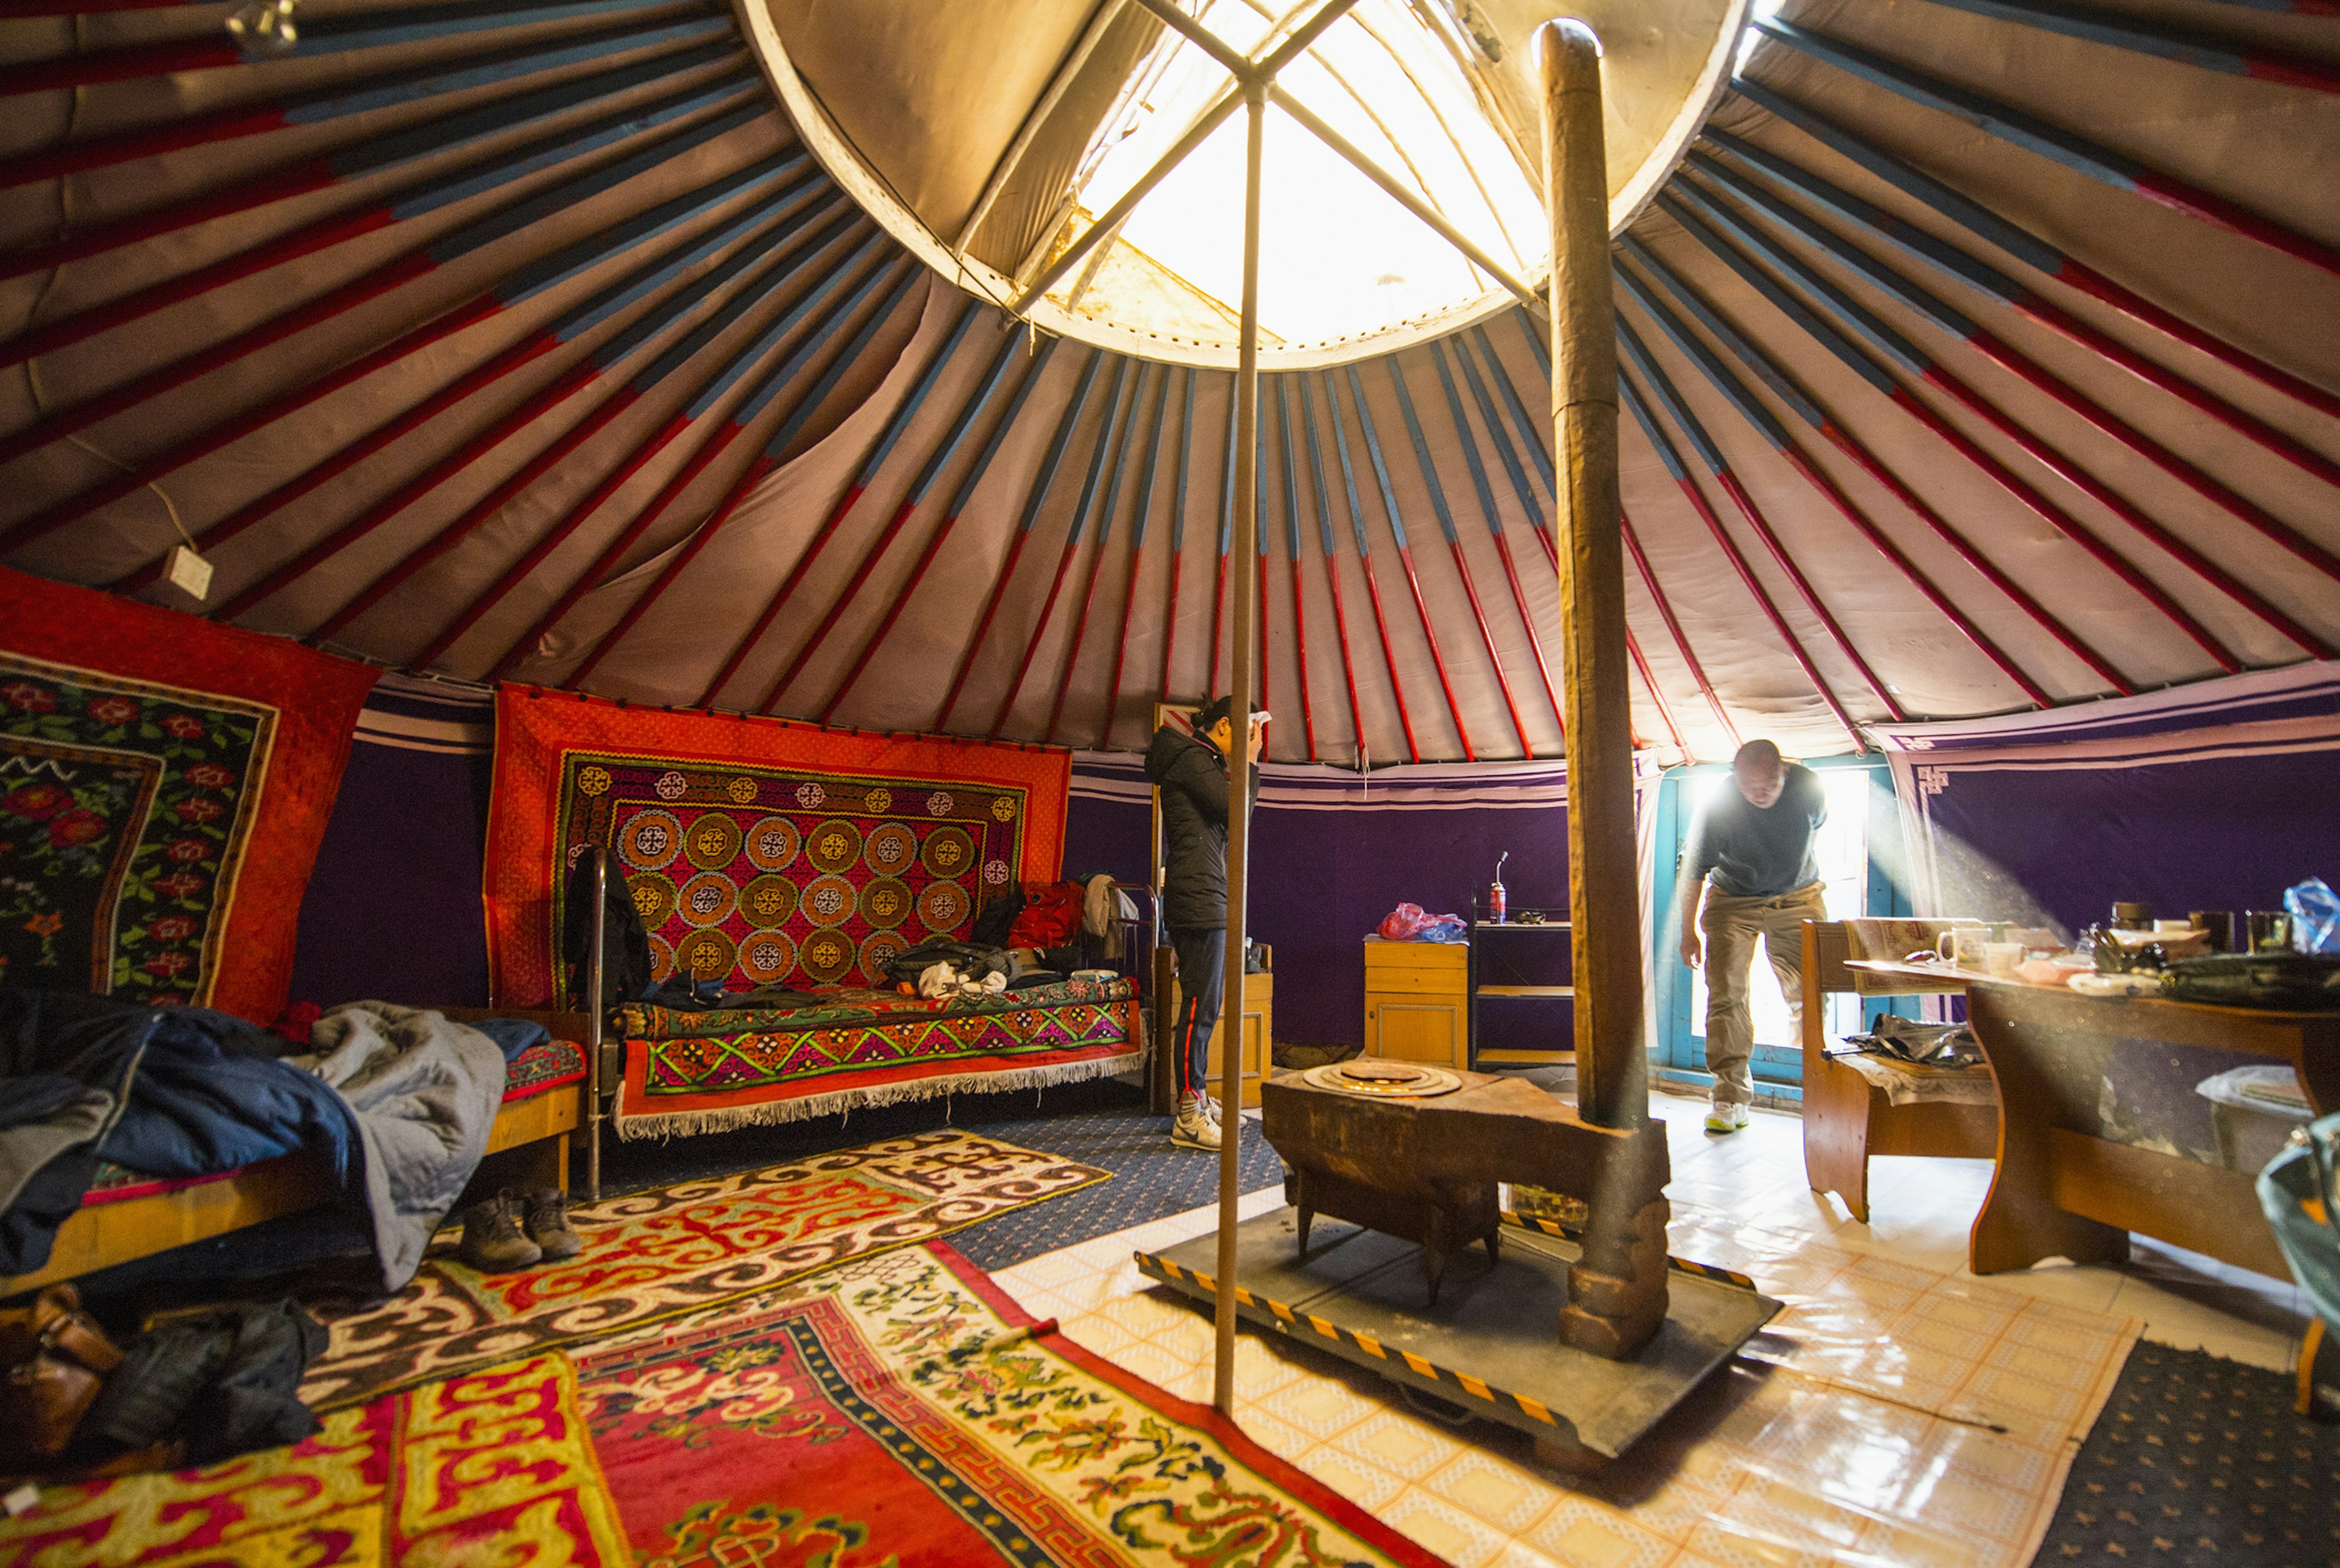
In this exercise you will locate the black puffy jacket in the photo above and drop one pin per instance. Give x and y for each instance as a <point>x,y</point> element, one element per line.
<point>1193,778</point>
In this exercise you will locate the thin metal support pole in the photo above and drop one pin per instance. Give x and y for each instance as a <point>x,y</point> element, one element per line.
<point>1239,764</point>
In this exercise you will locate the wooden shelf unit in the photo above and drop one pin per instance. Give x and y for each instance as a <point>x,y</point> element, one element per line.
<point>1481,930</point>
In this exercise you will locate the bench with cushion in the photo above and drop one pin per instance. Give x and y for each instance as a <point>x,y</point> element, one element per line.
<point>1876,1107</point>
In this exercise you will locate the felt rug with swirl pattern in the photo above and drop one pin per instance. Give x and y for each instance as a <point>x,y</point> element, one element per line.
<point>668,1250</point>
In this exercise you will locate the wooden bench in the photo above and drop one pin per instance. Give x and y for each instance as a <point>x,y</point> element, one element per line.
<point>1848,1118</point>
<point>534,1133</point>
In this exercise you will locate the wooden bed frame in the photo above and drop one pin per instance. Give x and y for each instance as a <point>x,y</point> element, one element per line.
<point>535,1131</point>
<point>1847,1118</point>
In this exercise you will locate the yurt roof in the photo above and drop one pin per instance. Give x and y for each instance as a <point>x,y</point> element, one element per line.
<point>1981,355</point>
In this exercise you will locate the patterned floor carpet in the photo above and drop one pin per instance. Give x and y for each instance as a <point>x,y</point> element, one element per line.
<point>2200,1463</point>
<point>1103,1124</point>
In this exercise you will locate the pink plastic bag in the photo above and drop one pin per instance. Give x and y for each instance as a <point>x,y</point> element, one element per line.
<point>1411,923</point>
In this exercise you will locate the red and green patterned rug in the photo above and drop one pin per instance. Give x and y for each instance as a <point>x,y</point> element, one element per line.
<point>490,1467</point>
<point>899,1410</point>
<point>649,1256</point>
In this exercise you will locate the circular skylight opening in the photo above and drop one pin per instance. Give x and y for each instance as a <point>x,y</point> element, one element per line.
<point>994,136</point>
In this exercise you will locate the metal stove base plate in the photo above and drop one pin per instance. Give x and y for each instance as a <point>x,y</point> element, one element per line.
<point>1492,1344</point>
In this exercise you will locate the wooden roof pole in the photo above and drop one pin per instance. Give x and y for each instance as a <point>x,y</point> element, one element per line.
<point>1242,660</point>
<point>1603,897</point>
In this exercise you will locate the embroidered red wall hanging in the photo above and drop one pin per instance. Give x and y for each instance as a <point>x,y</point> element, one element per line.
<point>164,783</point>
<point>759,852</point>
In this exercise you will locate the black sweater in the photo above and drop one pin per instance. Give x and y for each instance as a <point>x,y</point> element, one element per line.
<point>1193,778</point>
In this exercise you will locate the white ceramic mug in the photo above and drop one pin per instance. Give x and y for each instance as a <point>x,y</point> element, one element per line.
<point>1962,945</point>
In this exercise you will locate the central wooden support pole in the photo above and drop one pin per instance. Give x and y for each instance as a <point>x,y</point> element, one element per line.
<point>1617,1290</point>
<point>1603,896</point>
<point>1241,616</point>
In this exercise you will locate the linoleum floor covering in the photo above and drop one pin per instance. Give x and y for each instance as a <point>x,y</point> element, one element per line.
<point>1900,1411</point>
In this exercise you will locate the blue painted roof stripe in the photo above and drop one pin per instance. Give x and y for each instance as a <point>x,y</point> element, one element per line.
<point>1144,492</point>
<point>833,275</point>
<point>1422,452</point>
<point>1690,344</point>
<point>1291,470</point>
<point>842,221</point>
<point>774,382</point>
<point>1102,449</point>
<point>508,114</point>
<point>1185,448</point>
<point>503,65</point>
<point>1348,468</point>
<point>1646,363</point>
<point>2097,27</point>
<point>1003,360</point>
<point>1373,453</point>
<point>545,203</point>
<point>1542,350</point>
<point>553,151</point>
<point>1024,389</point>
<point>340,35</point>
<point>1496,433</point>
<point>1227,481</point>
<point>1643,417</point>
<point>1788,217</point>
<point>1711,368</point>
<point>1316,467</point>
<point>1046,477</point>
<point>572,260</point>
<point>1129,429</point>
<point>2074,153</point>
<point>611,300</point>
<point>1470,457</point>
<point>1818,328</point>
<point>1954,204</point>
<point>1834,198</point>
<point>906,273</point>
<point>916,400</point>
<point>1259,486</point>
<point>1538,443</point>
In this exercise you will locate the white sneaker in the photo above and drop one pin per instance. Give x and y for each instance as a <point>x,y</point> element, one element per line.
<point>1211,1109</point>
<point>1726,1118</point>
<point>1194,1129</point>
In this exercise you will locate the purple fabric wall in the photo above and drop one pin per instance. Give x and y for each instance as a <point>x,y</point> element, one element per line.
<point>2223,833</point>
<point>393,910</point>
<point>1333,856</point>
<point>2216,796</point>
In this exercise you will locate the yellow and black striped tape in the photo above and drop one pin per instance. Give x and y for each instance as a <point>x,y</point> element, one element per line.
<point>1162,1268</point>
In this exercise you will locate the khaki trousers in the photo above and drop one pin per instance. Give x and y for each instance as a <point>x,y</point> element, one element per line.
<point>1731,926</point>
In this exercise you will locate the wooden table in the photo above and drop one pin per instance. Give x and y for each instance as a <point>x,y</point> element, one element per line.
<point>2061,1189</point>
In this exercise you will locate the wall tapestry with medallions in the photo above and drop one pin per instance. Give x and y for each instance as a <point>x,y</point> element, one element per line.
<point>759,852</point>
<point>163,786</point>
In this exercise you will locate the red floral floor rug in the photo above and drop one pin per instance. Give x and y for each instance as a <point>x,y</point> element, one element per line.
<point>651,1256</point>
<point>901,1410</point>
<point>492,1467</point>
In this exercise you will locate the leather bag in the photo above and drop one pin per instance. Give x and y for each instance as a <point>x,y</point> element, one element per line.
<point>55,1358</point>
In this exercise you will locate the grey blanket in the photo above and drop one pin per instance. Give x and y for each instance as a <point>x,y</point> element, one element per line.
<point>425,1090</point>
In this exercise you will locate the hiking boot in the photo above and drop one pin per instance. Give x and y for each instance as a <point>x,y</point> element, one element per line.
<point>1194,1129</point>
<point>548,1224</point>
<point>492,1242</point>
<point>1726,1118</point>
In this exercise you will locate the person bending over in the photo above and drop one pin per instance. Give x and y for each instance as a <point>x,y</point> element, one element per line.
<point>1191,774</point>
<point>1751,853</point>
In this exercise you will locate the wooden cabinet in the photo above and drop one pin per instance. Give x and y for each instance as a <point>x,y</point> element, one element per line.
<point>1258,1035</point>
<point>1417,1002</point>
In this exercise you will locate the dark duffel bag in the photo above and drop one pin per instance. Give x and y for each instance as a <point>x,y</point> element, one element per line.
<point>2289,982</point>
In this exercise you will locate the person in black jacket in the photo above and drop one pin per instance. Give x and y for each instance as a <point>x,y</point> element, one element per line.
<point>1191,774</point>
